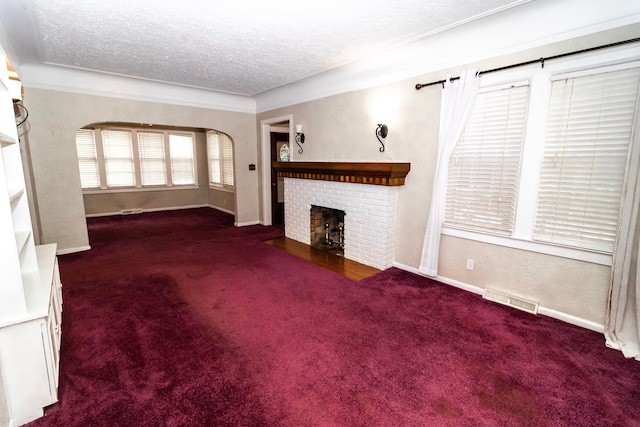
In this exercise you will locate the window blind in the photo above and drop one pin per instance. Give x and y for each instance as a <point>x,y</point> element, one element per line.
<point>118,158</point>
<point>182,159</point>
<point>213,152</point>
<point>220,153</point>
<point>587,138</point>
<point>484,168</point>
<point>152,162</point>
<point>87,159</point>
<point>227,161</point>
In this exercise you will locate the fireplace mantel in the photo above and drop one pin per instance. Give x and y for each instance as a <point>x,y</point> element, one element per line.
<point>387,174</point>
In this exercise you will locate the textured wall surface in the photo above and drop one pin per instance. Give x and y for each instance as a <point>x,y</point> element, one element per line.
<point>569,286</point>
<point>223,200</point>
<point>369,221</point>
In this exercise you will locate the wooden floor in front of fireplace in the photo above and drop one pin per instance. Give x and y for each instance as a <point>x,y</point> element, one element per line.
<point>351,269</point>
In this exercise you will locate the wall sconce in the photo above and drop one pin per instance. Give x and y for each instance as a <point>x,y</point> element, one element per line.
<point>299,137</point>
<point>381,132</point>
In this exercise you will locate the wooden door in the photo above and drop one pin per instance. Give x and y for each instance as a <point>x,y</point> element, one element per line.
<point>278,139</point>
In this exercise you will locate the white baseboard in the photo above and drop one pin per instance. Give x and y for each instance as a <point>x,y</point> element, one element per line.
<point>568,318</point>
<point>102,214</point>
<point>245,224</point>
<point>169,208</point>
<point>574,320</point>
<point>175,208</point>
<point>222,210</point>
<point>72,250</point>
<point>460,285</point>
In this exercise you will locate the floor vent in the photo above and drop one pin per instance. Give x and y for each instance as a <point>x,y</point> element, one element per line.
<point>515,302</point>
<point>131,211</point>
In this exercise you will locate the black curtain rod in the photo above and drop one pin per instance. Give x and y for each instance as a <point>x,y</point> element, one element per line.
<point>533,61</point>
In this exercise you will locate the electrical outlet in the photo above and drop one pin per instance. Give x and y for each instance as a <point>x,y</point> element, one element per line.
<point>469,264</point>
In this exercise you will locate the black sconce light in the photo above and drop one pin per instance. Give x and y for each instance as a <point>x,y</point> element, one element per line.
<point>381,132</point>
<point>299,137</point>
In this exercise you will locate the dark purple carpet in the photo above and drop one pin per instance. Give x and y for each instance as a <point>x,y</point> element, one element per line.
<point>180,319</point>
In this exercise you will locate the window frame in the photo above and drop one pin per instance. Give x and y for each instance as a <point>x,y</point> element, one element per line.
<point>221,161</point>
<point>143,159</point>
<point>99,148</point>
<point>105,159</point>
<point>474,156</point>
<point>90,159</point>
<point>533,150</point>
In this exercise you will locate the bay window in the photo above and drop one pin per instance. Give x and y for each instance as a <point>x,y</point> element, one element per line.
<point>120,159</point>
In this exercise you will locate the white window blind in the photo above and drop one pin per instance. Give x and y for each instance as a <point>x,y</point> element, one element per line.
<point>587,138</point>
<point>213,152</point>
<point>220,153</point>
<point>87,159</point>
<point>152,162</point>
<point>227,161</point>
<point>118,158</point>
<point>182,159</point>
<point>484,168</point>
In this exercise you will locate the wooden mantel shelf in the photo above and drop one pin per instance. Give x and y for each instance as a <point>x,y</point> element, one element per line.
<point>388,174</point>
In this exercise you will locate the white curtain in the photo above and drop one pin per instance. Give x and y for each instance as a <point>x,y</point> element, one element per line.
<point>457,102</point>
<point>622,329</point>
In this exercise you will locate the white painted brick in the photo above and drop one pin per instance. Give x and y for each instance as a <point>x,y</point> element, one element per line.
<point>369,222</point>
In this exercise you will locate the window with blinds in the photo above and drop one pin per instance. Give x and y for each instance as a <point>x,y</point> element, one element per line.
<point>153,169</point>
<point>589,127</point>
<point>226,149</point>
<point>87,159</point>
<point>118,158</point>
<point>182,159</point>
<point>213,153</point>
<point>220,154</point>
<point>484,169</point>
<point>541,164</point>
<point>135,158</point>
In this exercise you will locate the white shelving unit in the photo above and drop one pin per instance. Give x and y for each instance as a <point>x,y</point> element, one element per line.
<point>30,288</point>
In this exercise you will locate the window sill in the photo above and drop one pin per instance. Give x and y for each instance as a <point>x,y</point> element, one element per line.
<point>139,189</point>
<point>221,188</point>
<point>531,246</point>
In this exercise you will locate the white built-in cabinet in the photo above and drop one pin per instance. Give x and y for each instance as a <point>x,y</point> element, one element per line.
<point>30,288</point>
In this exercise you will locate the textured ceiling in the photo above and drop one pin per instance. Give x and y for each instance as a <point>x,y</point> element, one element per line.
<point>237,46</point>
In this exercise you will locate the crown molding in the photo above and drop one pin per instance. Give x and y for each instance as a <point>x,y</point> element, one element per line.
<point>528,26</point>
<point>65,79</point>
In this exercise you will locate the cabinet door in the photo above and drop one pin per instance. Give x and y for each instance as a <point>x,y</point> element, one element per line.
<point>25,350</point>
<point>51,342</point>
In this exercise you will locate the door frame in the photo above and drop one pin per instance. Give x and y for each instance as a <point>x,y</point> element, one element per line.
<point>279,136</point>
<point>265,162</point>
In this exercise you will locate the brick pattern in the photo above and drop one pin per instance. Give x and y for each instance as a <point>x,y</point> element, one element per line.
<point>369,223</point>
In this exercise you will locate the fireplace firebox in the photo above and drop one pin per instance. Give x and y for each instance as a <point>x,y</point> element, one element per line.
<point>327,229</point>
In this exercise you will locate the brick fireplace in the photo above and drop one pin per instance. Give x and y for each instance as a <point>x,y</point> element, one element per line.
<point>365,192</point>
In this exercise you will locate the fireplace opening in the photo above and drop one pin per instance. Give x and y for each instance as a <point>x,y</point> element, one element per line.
<point>327,229</point>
